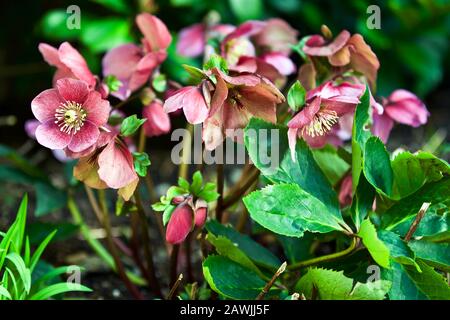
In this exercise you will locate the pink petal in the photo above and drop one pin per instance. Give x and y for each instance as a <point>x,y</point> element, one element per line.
<point>97,109</point>
<point>292,139</point>
<point>121,61</point>
<point>175,101</point>
<point>116,166</point>
<point>61,73</point>
<point>73,90</point>
<point>283,64</point>
<point>180,224</point>
<point>315,46</point>
<point>194,106</point>
<point>234,117</point>
<point>73,60</point>
<point>219,96</point>
<point>212,131</point>
<point>401,94</point>
<point>259,102</point>
<point>306,115</point>
<point>317,141</point>
<point>158,122</point>
<point>409,112</point>
<point>382,126</point>
<point>246,29</point>
<point>154,31</point>
<point>191,41</point>
<point>345,192</point>
<point>86,137</point>
<point>277,35</point>
<point>30,128</point>
<point>49,135</point>
<point>200,216</point>
<point>50,55</point>
<point>45,104</point>
<point>143,70</point>
<point>363,59</point>
<point>240,79</point>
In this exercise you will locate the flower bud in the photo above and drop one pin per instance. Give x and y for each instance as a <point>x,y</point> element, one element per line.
<point>180,224</point>
<point>201,212</point>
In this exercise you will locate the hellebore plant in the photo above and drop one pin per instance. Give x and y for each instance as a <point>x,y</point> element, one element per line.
<point>335,188</point>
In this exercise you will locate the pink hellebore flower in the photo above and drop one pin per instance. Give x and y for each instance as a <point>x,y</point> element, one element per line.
<point>69,63</point>
<point>345,50</point>
<point>70,115</point>
<point>158,122</point>
<point>403,107</point>
<point>109,165</point>
<point>236,99</point>
<point>324,107</point>
<point>132,64</point>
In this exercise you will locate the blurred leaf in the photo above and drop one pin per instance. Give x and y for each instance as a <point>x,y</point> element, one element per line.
<point>54,26</point>
<point>37,231</point>
<point>247,9</point>
<point>49,198</point>
<point>331,164</point>
<point>120,6</point>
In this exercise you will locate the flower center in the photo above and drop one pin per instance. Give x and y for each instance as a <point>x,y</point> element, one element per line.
<point>321,123</point>
<point>70,117</point>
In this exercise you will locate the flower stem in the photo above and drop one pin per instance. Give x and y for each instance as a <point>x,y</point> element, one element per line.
<point>269,284</point>
<point>325,258</point>
<point>113,249</point>
<point>241,189</point>
<point>174,263</point>
<point>98,248</point>
<point>220,185</point>
<point>183,169</point>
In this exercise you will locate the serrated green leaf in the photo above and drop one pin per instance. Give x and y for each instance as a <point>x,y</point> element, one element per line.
<point>231,279</point>
<point>403,288</point>
<point>377,166</point>
<point>377,249</point>
<point>141,162</point>
<point>288,210</point>
<point>435,254</point>
<point>333,285</point>
<point>257,253</point>
<point>398,249</point>
<point>331,164</point>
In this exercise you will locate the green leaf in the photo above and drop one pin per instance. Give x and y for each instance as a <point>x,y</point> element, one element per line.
<point>403,288</point>
<point>22,270</point>
<point>40,249</point>
<point>247,10</point>
<point>49,198</point>
<point>232,251</point>
<point>4,293</point>
<point>120,6</point>
<point>333,285</point>
<point>216,61</point>
<point>438,193</point>
<point>168,213</point>
<point>197,182</point>
<point>183,183</point>
<point>331,164</point>
<point>429,282</point>
<point>265,141</point>
<point>159,82</point>
<point>130,125</point>
<point>196,74</point>
<point>256,252</point>
<point>412,171</point>
<point>38,231</point>
<point>296,96</point>
<point>288,210</point>
<point>141,162</point>
<point>377,166</point>
<point>377,249</point>
<point>208,193</point>
<point>434,254</point>
<point>432,224</point>
<point>362,201</point>
<point>398,249</point>
<point>297,249</point>
<point>58,288</point>
<point>100,35</point>
<point>112,82</point>
<point>231,279</point>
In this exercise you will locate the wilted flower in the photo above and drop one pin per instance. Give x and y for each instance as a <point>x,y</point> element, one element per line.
<point>131,64</point>
<point>403,107</point>
<point>345,50</point>
<point>324,106</point>
<point>69,63</point>
<point>158,122</point>
<point>70,115</point>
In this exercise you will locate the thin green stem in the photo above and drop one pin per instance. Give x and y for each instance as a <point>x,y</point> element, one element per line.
<point>325,258</point>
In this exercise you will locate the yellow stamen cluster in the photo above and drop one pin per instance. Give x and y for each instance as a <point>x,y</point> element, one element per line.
<point>321,123</point>
<point>70,117</point>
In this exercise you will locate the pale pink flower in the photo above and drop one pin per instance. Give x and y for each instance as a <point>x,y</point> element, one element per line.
<point>158,122</point>
<point>70,115</point>
<point>69,63</point>
<point>132,64</point>
<point>191,100</point>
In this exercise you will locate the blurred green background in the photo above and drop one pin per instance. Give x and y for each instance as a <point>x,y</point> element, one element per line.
<point>412,44</point>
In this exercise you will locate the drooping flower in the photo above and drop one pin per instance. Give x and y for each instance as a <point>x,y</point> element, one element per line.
<point>402,107</point>
<point>192,101</point>
<point>108,165</point>
<point>345,192</point>
<point>324,107</point>
<point>69,63</point>
<point>131,64</point>
<point>70,115</point>
<point>346,50</point>
<point>158,122</point>
<point>237,98</point>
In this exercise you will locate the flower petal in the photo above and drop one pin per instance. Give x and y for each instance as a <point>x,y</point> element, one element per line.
<point>97,109</point>
<point>45,104</point>
<point>50,55</point>
<point>191,41</point>
<point>281,62</point>
<point>212,133</point>
<point>180,224</point>
<point>158,122</point>
<point>116,166</point>
<point>194,106</point>
<point>154,31</point>
<point>316,45</point>
<point>49,135</point>
<point>73,90</point>
<point>175,101</point>
<point>73,60</point>
<point>86,137</point>
<point>121,61</point>
<point>382,126</point>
